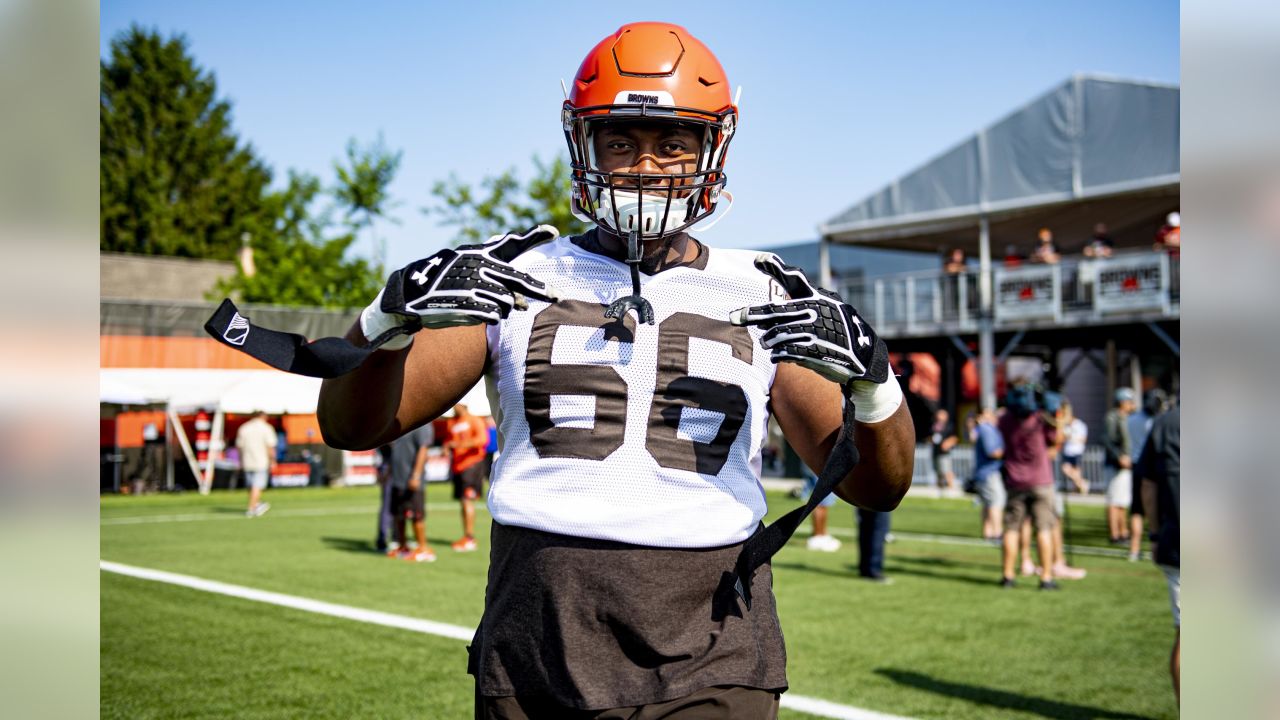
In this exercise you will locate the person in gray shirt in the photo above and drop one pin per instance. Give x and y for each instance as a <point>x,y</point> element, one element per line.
<point>407,461</point>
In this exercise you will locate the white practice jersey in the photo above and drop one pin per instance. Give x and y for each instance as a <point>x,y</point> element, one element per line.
<point>619,430</point>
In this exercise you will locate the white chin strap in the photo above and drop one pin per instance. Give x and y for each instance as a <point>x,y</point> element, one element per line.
<point>647,217</point>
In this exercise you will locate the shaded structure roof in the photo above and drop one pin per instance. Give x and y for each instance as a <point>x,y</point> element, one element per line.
<point>851,261</point>
<point>1092,149</point>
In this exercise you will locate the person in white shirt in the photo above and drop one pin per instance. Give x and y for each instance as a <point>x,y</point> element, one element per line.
<point>1076,434</point>
<point>256,441</point>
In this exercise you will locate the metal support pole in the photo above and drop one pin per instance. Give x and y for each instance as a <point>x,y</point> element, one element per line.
<point>1012,345</point>
<point>964,350</point>
<point>1165,338</point>
<point>986,365</point>
<point>1111,372</point>
<point>168,453</point>
<point>911,303</point>
<point>986,331</point>
<point>950,381</point>
<point>824,263</point>
<point>879,299</point>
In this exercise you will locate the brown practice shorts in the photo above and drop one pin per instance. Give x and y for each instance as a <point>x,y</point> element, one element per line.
<point>1036,501</point>
<point>469,483</point>
<point>409,502</point>
<point>714,703</point>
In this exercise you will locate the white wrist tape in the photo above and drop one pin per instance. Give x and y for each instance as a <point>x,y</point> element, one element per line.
<point>874,402</point>
<point>374,322</point>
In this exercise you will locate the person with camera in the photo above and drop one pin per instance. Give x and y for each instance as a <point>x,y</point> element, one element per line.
<point>988,452</point>
<point>1031,437</point>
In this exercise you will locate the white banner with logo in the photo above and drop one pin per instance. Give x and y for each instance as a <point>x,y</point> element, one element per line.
<point>1025,293</point>
<point>1131,283</point>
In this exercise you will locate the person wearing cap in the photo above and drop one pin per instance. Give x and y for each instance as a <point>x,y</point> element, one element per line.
<point>1169,236</point>
<point>1119,460</point>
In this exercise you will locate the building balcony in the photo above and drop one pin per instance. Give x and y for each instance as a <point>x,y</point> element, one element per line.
<point>1138,286</point>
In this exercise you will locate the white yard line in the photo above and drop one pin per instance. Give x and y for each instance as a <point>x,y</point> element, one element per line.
<point>812,706</point>
<point>346,612</point>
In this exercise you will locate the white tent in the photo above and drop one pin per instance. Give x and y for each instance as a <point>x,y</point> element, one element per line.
<point>117,391</point>
<point>183,390</point>
<point>234,391</point>
<point>222,391</point>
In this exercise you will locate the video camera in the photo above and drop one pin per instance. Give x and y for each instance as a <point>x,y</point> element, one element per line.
<point>1025,398</point>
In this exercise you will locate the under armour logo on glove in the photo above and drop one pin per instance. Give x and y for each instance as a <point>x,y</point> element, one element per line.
<point>470,285</point>
<point>816,328</point>
<point>421,277</point>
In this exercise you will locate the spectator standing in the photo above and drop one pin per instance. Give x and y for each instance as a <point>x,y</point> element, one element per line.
<point>1060,568</point>
<point>1169,236</point>
<point>942,436</point>
<point>820,540</point>
<point>256,441</point>
<point>1012,258</point>
<point>988,450</point>
<point>386,541</point>
<point>407,461</point>
<point>1159,471</point>
<point>1028,437</point>
<point>468,437</point>
<point>1100,244</point>
<point>1075,437</point>
<point>873,529</point>
<point>1119,463</point>
<point>1154,402</point>
<point>152,473</point>
<point>1045,252</point>
<point>491,446</point>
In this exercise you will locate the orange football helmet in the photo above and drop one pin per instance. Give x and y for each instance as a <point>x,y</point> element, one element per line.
<point>659,72</point>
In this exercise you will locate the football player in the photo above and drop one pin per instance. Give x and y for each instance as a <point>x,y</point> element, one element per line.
<point>635,369</point>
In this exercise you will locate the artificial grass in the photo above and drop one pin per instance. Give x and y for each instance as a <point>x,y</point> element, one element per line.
<point>942,641</point>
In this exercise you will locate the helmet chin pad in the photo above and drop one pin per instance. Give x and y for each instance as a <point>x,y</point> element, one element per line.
<point>651,215</point>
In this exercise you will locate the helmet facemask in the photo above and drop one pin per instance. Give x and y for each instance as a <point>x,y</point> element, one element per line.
<point>651,205</point>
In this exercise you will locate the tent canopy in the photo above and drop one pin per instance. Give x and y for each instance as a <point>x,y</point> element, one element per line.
<point>233,391</point>
<point>1090,150</point>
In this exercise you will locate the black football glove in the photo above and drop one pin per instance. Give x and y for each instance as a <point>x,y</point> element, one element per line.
<point>465,286</point>
<point>816,329</point>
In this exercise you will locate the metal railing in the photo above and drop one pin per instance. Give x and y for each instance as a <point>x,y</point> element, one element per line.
<point>1075,290</point>
<point>1092,465</point>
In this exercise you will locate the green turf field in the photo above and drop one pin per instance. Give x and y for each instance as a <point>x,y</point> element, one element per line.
<point>943,641</point>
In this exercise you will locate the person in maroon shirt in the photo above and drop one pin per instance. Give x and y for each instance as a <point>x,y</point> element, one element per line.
<point>1030,440</point>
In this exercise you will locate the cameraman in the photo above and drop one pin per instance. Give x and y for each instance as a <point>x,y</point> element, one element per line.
<point>1030,439</point>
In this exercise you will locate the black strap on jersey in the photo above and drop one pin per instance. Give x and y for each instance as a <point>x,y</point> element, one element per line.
<point>763,545</point>
<point>324,358</point>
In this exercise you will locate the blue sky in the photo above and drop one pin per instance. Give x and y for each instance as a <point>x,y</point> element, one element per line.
<point>838,99</point>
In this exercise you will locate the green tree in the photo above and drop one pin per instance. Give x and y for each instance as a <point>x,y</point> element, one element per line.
<point>298,262</point>
<point>502,203</point>
<point>362,189</point>
<point>175,178</point>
